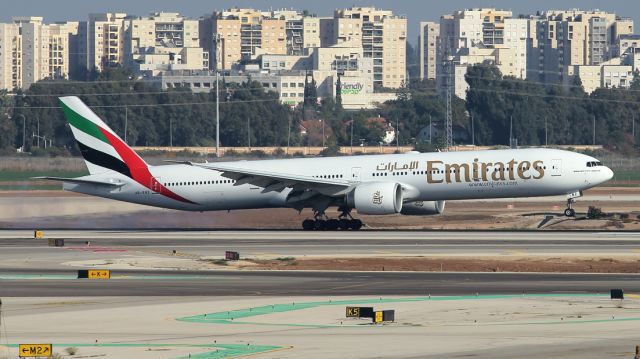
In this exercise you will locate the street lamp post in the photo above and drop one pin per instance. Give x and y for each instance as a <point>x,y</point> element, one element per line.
<point>352,123</point>
<point>24,132</point>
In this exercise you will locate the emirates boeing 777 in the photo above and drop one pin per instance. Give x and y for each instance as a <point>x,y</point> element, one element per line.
<point>411,184</point>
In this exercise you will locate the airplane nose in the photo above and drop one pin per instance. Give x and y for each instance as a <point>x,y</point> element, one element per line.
<point>608,174</point>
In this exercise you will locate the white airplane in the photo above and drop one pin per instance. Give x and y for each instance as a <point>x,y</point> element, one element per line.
<point>412,183</point>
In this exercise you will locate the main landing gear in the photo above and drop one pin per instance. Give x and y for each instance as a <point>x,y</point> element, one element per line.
<point>571,199</point>
<point>321,222</point>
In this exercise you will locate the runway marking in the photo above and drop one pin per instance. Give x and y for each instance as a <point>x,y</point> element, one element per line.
<point>221,350</point>
<point>96,249</point>
<point>515,253</point>
<point>231,316</point>
<point>354,286</point>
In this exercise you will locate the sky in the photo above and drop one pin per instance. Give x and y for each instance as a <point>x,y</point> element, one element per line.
<point>415,10</point>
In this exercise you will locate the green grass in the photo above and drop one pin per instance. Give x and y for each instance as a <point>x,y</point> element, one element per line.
<point>626,175</point>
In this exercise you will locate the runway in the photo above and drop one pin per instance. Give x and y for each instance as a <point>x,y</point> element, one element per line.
<point>438,314</point>
<point>298,243</point>
<point>43,283</point>
<point>28,267</point>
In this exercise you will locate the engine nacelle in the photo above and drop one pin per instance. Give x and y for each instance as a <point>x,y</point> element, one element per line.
<point>376,198</point>
<point>423,208</point>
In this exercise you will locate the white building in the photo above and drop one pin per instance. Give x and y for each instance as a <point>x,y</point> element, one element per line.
<point>31,51</point>
<point>476,36</point>
<point>428,42</point>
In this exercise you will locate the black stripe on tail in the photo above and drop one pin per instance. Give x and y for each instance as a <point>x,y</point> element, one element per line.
<point>103,160</point>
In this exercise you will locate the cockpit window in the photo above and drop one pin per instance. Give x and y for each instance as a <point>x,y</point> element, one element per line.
<point>594,164</point>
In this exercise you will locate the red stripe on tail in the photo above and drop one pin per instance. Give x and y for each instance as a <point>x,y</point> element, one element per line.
<point>138,168</point>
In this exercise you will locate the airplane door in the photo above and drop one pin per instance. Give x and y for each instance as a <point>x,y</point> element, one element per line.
<point>355,173</point>
<point>556,167</point>
<point>155,185</point>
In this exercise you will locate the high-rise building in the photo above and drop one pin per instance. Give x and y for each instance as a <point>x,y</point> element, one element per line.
<point>382,36</point>
<point>241,34</point>
<point>31,51</point>
<point>102,40</point>
<point>428,42</point>
<point>474,36</point>
<point>568,38</point>
<point>10,57</point>
<point>163,41</point>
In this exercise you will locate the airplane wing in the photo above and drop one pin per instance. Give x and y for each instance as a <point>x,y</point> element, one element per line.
<point>271,181</point>
<point>82,181</point>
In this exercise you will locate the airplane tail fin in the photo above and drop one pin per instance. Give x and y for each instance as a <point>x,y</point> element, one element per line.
<point>101,148</point>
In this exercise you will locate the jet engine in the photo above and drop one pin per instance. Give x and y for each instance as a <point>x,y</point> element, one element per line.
<point>376,198</point>
<point>423,208</point>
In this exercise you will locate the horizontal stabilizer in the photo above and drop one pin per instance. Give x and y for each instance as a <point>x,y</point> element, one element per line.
<point>82,181</point>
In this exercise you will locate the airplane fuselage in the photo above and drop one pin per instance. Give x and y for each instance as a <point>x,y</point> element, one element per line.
<point>425,176</point>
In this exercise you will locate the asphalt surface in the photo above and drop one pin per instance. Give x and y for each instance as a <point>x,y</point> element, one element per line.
<point>259,243</point>
<point>30,268</point>
<point>330,283</point>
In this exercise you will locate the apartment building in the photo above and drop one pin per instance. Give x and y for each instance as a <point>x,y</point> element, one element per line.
<point>629,51</point>
<point>31,51</point>
<point>103,41</point>
<point>608,74</point>
<point>241,34</point>
<point>10,57</point>
<point>382,37</point>
<point>568,38</point>
<point>163,41</point>
<point>428,38</point>
<point>474,36</point>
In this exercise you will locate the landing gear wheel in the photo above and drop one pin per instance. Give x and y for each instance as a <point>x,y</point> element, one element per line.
<point>308,224</point>
<point>332,224</point>
<point>320,225</point>
<point>356,224</point>
<point>344,224</point>
<point>570,212</point>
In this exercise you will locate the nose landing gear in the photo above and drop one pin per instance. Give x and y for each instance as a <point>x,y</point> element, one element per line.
<point>570,212</point>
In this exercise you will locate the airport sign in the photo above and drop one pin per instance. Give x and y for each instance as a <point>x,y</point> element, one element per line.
<point>99,274</point>
<point>359,312</point>
<point>378,317</point>
<point>35,350</point>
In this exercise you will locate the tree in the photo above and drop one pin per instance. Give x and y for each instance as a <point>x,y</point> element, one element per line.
<point>339,92</point>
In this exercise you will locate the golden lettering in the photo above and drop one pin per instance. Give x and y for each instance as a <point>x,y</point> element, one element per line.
<point>498,173</point>
<point>456,168</point>
<point>485,167</point>
<point>539,167</point>
<point>430,169</point>
<point>512,164</point>
<point>523,166</point>
<point>475,170</point>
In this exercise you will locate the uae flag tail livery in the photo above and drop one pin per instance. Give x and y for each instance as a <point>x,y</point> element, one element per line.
<point>105,151</point>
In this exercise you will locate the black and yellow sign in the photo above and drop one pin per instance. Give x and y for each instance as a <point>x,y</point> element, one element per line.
<point>35,350</point>
<point>353,312</point>
<point>359,312</point>
<point>99,274</point>
<point>378,317</point>
<point>38,234</point>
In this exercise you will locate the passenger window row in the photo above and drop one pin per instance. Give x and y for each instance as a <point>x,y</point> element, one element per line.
<point>197,183</point>
<point>327,176</point>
